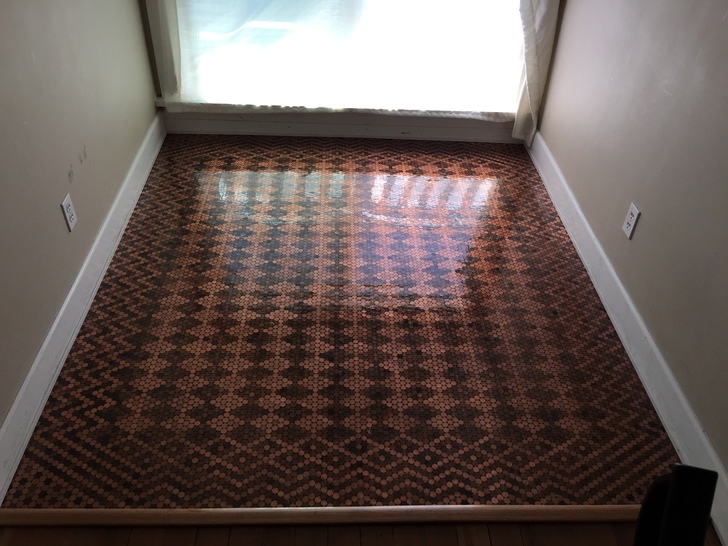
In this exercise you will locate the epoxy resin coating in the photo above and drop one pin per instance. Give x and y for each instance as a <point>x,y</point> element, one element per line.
<point>322,322</point>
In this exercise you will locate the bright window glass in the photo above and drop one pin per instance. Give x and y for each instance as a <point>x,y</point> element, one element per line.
<point>454,56</point>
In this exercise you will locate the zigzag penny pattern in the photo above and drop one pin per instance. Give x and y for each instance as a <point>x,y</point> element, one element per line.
<point>325,322</point>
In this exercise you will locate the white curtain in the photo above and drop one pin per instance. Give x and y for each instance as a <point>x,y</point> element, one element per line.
<point>423,57</point>
<point>208,50</point>
<point>539,18</point>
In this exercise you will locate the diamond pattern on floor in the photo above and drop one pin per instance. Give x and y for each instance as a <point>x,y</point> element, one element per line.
<point>325,322</point>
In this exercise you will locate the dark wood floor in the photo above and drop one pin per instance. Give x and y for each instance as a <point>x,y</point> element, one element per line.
<point>477,534</point>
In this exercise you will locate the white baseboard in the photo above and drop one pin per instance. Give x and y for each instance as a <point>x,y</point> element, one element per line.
<point>678,418</point>
<point>20,421</point>
<point>342,124</point>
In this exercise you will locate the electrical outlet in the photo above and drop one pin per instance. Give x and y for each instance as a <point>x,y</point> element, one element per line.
<point>630,222</point>
<point>69,213</point>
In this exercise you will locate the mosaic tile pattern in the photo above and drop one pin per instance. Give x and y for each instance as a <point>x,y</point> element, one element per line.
<point>308,322</point>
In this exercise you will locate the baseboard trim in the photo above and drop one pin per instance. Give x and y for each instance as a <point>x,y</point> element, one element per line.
<point>673,408</point>
<point>20,421</point>
<point>342,124</point>
<point>320,516</point>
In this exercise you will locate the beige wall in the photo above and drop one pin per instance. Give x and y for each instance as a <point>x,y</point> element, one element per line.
<point>637,110</point>
<point>73,74</point>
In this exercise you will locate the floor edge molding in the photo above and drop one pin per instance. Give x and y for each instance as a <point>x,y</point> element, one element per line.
<point>26,409</point>
<point>319,516</point>
<point>678,418</point>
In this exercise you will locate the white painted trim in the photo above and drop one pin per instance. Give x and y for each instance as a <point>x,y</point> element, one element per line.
<point>343,124</point>
<point>20,421</point>
<point>673,408</point>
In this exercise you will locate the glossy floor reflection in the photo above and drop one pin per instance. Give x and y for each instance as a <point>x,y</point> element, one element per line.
<point>303,322</point>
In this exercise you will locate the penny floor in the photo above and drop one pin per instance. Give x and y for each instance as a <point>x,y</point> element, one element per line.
<point>331,322</point>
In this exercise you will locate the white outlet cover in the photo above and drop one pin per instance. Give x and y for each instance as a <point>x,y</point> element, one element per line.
<point>69,213</point>
<point>630,221</point>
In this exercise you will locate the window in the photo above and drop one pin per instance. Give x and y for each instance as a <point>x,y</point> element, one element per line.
<point>412,55</point>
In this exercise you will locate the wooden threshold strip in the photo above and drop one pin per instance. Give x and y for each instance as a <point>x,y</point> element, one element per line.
<point>317,516</point>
